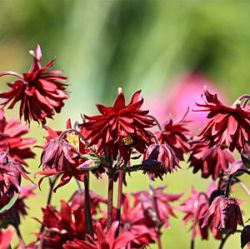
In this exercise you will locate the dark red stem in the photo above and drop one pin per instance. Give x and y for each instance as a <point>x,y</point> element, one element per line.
<point>88,217</point>
<point>119,199</point>
<point>110,198</point>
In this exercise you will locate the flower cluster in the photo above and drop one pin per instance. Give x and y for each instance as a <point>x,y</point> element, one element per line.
<point>121,139</point>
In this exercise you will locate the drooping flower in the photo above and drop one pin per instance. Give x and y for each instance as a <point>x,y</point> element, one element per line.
<point>195,207</point>
<point>62,226</point>
<point>176,135</point>
<point>162,202</point>
<point>13,215</point>
<point>62,156</point>
<point>40,92</point>
<point>228,126</point>
<point>10,178</point>
<point>224,214</point>
<point>120,128</point>
<point>6,236</point>
<point>11,139</point>
<point>159,159</point>
<point>211,161</point>
<point>107,239</point>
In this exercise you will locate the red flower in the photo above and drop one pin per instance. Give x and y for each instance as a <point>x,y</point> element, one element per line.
<point>224,214</point>
<point>211,161</point>
<point>162,205</point>
<point>5,238</point>
<point>41,92</point>
<point>159,159</point>
<point>177,136</point>
<point>12,215</point>
<point>10,178</point>
<point>11,133</point>
<point>120,128</point>
<point>134,221</point>
<point>62,156</point>
<point>194,208</point>
<point>107,239</point>
<point>228,126</point>
<point>66,225</point>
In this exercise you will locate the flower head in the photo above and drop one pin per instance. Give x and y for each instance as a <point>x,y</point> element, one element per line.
<point>228,126</point>
<point>211,161</point>
<point>11,139</point>
<point>194,208</point>
<point>224,214</point>
<point>10,178</point>
<point>156,205</point>
<point>159,159</point>
<point>177,136</point>
<point>120,128</point>
<point>62,226</point>
<point>40,92</point>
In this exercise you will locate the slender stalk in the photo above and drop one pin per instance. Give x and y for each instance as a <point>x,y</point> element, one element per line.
<point>156,121</point>
<point>119,199</point>
<point>158,237</point>
<point>88,217</point>
<point>110,199</point>
<point>192,245</point>
<point>223,241</point>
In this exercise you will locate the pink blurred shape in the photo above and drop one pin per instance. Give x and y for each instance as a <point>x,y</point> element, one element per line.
<point>179,96</point>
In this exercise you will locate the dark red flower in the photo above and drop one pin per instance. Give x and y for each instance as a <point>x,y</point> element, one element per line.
<point>66,225</point>
<point>120,128</point>
<point>159,159</point>
<point>107,239</point>
<point>224,214</point>
<point>161,209</point>
<point>195,207</point>
<point>12,215</point>
<point>211,161</point>
<point>10,178</point>
<point>41,92</point>
<point>176,135</point>
<point>228,126</point>
<point>11,139</point>
<point>62,156</point>
<point>134,221</point>
<point>6,236</point>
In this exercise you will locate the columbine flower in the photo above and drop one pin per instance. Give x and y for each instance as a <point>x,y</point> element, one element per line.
<point>194,208</point>
<point>134,221</point>
<point>12,216</point>
<point>162,203</point>
<point>63,226</point>
<point>10,178</point>
<point>120,128</point>
<point>41,92</point>
<point>62,156</point>
<point>211,161</point>
<point>159,159</point>
<point>107,239</point>
<point>11,139</point>
<point>177,136</point>
<point>224,214</point>
<point>228,126</point>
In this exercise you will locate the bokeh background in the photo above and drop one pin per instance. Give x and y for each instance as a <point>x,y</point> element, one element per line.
<point>169,49</point>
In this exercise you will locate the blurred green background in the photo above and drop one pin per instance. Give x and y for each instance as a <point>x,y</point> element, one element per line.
<point>103,44</point>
